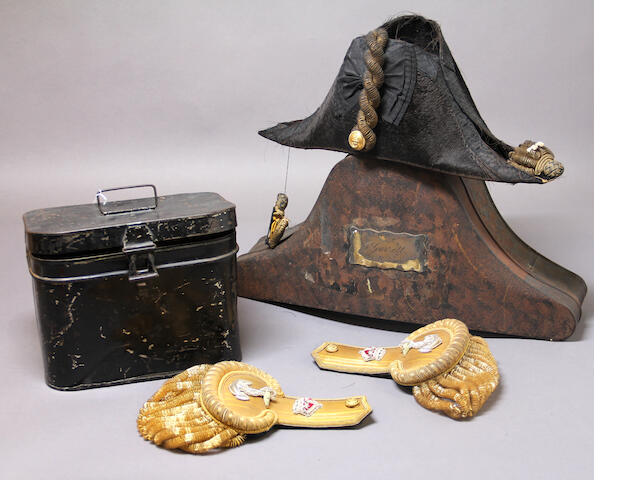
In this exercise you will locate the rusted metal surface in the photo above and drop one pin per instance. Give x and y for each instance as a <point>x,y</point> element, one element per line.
<point>476,269</point>
<point>134,296</point>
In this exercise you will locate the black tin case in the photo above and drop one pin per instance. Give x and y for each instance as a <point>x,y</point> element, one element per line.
<point>138,291</point>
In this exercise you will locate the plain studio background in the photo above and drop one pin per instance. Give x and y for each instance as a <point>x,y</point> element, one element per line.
<point>101,94</point>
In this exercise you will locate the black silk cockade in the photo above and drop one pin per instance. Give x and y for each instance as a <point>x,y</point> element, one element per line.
<point>399,78</point>
<point>427,117</point>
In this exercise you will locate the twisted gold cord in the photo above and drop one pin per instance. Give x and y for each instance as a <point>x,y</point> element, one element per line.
<point>362,136</point>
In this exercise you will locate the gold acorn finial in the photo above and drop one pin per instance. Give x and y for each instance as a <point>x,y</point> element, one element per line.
<point>278,222</point>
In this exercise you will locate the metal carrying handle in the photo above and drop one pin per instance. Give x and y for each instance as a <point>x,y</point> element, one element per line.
<point>101,199</point>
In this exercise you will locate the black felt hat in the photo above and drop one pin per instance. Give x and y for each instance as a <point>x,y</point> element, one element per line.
<point>427,117</point>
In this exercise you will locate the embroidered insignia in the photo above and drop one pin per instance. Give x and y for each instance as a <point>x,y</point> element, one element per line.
<point>372,353</point>
<point>427,344</point>
<point>535,147</point>
<point>242,390</point>
<point>306,406</point>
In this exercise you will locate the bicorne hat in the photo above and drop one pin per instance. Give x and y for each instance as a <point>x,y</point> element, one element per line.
<point>399,96</point>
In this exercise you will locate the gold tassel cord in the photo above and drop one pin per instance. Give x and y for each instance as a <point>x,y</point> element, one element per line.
<point>535,159</point>
<point>463,390</point>
<point>279,222</point>
<point>362,136</point>
<point>174,417</point>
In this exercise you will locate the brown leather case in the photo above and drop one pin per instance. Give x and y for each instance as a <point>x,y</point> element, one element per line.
<point>399,243</point>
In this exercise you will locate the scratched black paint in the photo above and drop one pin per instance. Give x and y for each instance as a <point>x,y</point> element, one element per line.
<point>134,296</point>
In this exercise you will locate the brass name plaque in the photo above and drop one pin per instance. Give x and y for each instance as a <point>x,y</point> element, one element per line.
<point>382,249</point>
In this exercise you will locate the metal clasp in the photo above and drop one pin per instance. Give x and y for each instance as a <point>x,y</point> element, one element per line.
<point>138,243</point>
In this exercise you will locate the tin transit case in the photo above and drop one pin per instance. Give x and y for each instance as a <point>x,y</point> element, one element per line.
<point>137,292</point>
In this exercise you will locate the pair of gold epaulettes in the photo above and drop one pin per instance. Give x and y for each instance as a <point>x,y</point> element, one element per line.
<point>216,406</point>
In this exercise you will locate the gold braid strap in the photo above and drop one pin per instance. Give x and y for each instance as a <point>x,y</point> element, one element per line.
<point>362,136</point>
<point>407,363</point>
<point>216,405</point>
<point>463,390</point>
<point>451,354</point>
<point>535,159</point>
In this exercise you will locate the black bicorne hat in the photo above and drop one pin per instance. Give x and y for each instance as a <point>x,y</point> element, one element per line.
<point>426,116</point>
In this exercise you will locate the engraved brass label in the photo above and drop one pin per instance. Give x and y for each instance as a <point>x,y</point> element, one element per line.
<point>382,249</point>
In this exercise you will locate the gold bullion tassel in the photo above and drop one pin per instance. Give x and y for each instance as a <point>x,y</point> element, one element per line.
<point>175,417</point>
<point>463,390</point>
<point>536,159</point>
<point>278,222</point>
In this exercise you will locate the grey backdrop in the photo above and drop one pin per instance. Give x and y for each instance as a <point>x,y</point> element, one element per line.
<point>99,94</point>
